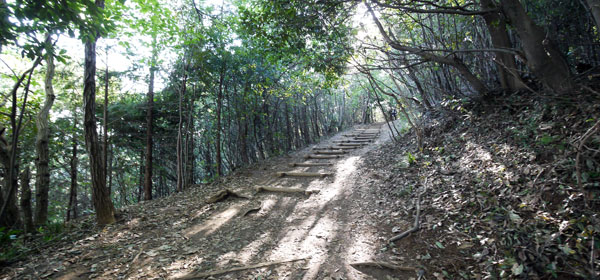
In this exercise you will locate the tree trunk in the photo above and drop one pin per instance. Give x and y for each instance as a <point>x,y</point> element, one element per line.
<point>42,182</point>
<point>180,174</point>
<point>105,211</point>
<point>72,207</point>
<point>189,150</point>
<point>543,58</point>
<point>288,125</point>
<point>141,186</point>
<point>595,10</point>
<point>149,133</point>
<point>218,112</point>
<point>9,213</point>
<point>105,122</point>
<point>26,200</point>
<point>506,66</point>
<point>458,64</point>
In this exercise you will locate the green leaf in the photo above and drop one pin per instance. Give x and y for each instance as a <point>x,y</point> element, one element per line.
<point>517,269</point>
<point>439,245</point>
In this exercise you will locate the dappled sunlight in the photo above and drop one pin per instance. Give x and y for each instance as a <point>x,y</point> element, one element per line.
<point>215,221</point>
<point>361,249</point>
<point>246,254</point>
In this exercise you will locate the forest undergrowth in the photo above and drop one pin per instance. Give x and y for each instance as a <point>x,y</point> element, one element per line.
<point>500,195</point>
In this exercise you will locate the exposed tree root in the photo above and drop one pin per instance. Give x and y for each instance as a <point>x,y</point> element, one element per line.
<point>224,194</point>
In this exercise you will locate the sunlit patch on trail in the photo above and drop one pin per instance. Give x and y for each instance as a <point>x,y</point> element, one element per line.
<point>246,254</point>
<point>215,221</point>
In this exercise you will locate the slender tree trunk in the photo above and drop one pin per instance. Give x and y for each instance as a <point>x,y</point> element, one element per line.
<point>189,150</point>
<point>26,200</point>
<point>219,108</point>
<point>141,186</point>
<point>72,207</point>
<point>180,171</point>
<point>105,211</point>
<point>149,123</point>
<point>543,58</point>
<point>105,121</point>
<point>110,166</point>
<point>42,182</point>
<point>288,125</point>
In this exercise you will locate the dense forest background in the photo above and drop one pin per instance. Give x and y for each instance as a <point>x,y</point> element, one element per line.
<point>109,103</point>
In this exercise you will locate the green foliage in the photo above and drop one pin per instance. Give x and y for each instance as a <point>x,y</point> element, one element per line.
<point>410,158</point>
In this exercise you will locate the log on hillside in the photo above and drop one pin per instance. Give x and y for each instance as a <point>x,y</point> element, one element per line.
<point>351,141</point>
<point>309,164</point>
<point>320,148</point>
<point>321,156</point>
<point>224,194</point>
<point>334,152</point>
<point>357,145</point>
<point>303,174</point>
<point>344,147</point>
<point>285,190</point>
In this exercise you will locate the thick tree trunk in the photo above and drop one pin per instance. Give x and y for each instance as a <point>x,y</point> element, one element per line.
<point>543,58</point>
<point>26,200</point>
<point>72,207</point>
<point>42,182</point>
<point>105,211</point>
<point>506,66</point>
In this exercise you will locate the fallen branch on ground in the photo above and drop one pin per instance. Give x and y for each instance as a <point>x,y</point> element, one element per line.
<point>252,210</point>
<point>285,190</point>
<point>224,194</point>
<point>417,224</point>
<point>234,269</point>
<point>384,265</point>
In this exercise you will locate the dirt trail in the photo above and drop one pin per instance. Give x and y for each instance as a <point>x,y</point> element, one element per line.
<point>302,236</point>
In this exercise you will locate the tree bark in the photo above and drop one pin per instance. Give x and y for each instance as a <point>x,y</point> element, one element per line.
<point>9,213</point>
<point>149,123</point>
<point>218,112</point>
<point>105,211</point>
<point>543,58</point>
<point>180,174</point>
<point>72,207</point>
<point>43,174</point>
<point>506,66</point>
<point>26,201</point>
<point>42,182</point>
<point>105,122</point>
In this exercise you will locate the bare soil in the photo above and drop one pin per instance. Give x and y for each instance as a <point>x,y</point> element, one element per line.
<point>287,235</point>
